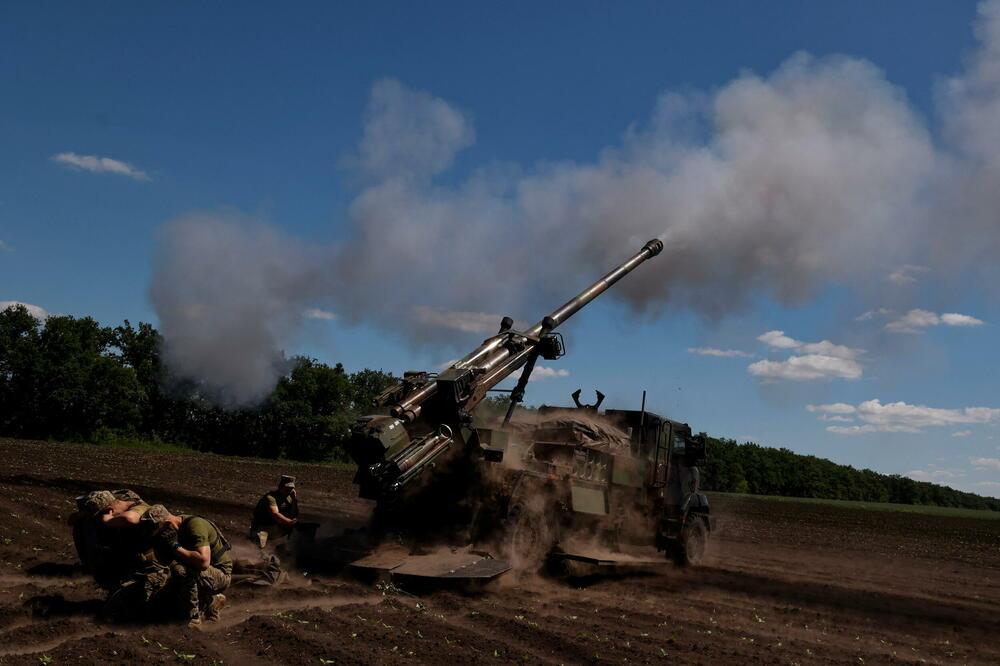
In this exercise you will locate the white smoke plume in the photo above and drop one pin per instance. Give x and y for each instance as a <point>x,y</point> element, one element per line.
<point>409,134</point>
<point>771,185</point>
<point>806,176</point>
<point>969,230</point>
<point>229,293</point>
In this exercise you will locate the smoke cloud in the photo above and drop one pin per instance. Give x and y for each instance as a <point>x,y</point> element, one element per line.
<point>409,134</point>
<point>229,293</point>
<point>771,185</point>
<point>970,197</point>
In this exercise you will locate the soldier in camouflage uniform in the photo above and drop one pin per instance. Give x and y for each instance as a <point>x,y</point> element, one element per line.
<point>276,513</point>
<point>119,508</point>
<point>202,565</point>
<point>143,595</point>
<point>107,534</point>
<point>115,546</point>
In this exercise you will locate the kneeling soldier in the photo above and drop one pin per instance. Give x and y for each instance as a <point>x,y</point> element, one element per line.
<point>116,546</point>
<point>275,514</point>
<point>202,565</point>
<point>107,534</point>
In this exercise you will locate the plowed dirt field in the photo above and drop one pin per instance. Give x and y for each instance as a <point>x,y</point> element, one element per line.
<point>785,583</point>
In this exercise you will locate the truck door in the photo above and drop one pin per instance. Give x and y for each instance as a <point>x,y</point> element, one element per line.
<point>661,457</point>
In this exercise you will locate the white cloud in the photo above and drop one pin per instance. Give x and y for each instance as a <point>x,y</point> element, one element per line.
<point>723,353</point>
<point>904,417</point>
<point>934,474</point>
<point>871,314</point>
<point>316,313</point>
<point>4,247</point>
<point>961,433</point>
<point>827,348</point>
<point>953,319</point>
<point>779,340</point>
<point>915,320</point>
<point>985,463</point>
<point>919,416</point>
<point>815,360</point>
<point>34,310</point>
<point>97,164</point>
<point>837,411</point>
<point>852,430</point>
<point>545,372</point>
<point>833,408</point>
<point>467,322</point>
<point>906,274</point>
<point>809,367</point>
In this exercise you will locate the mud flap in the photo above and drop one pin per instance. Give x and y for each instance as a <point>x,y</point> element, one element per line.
<point>611,560</point>
<point>455,566</point>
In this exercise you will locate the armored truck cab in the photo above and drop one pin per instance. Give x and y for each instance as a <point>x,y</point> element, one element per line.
<point>616,479</point>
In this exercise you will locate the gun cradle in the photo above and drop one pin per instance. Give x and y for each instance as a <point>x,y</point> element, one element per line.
<point>430,414</point>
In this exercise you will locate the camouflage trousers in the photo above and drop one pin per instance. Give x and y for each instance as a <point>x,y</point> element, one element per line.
<point>195,588</point>
<point>137,595</point>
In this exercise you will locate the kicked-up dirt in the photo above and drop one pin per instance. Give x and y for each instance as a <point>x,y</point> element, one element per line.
<point>784,583</point>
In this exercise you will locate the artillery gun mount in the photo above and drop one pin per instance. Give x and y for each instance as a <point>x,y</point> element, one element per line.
<point>524,492</point>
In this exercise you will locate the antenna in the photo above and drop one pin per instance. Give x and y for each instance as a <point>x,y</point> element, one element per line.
<point>642,415</point>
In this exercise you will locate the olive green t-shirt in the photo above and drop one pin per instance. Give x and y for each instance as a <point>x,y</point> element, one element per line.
<point>263,518</point>
<point>196,532</point>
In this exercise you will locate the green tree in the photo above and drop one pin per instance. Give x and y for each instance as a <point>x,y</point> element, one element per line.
<point>19,360</point>
<point>82,388</point>
<point>366,385</point>
<point>138,348</point>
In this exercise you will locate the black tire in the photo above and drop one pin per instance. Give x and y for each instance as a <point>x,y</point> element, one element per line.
<point>691,549</point>
<point>530,536</point>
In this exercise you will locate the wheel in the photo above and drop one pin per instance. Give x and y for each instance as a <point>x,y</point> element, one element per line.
<point>529,538</point>
<point>691,548</point>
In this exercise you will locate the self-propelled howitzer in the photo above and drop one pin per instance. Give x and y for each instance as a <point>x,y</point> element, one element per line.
<point>429,415</point>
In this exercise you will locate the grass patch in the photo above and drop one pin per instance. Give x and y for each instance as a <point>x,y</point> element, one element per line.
<point>137,444</point>
<point>156,446</point>
<point>947,511</point>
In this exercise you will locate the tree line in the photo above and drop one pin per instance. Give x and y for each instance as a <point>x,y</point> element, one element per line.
<point>760,470</point>
<point>68,378</point>
<point>73,379</point>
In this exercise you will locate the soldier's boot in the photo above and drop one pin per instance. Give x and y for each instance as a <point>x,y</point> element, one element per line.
<point>214,607</point>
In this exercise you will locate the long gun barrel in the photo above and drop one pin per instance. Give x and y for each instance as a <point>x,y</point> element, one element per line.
<point>428,413</point>
<point>496,360</point>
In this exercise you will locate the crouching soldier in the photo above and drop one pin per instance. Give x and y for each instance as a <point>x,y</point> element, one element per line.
<point>202,568</point>
<point>276,513</point>
<point>115,545</point>
<point>107,534</point>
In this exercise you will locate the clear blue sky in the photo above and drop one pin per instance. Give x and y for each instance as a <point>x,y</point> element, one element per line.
<point>253,106</point>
